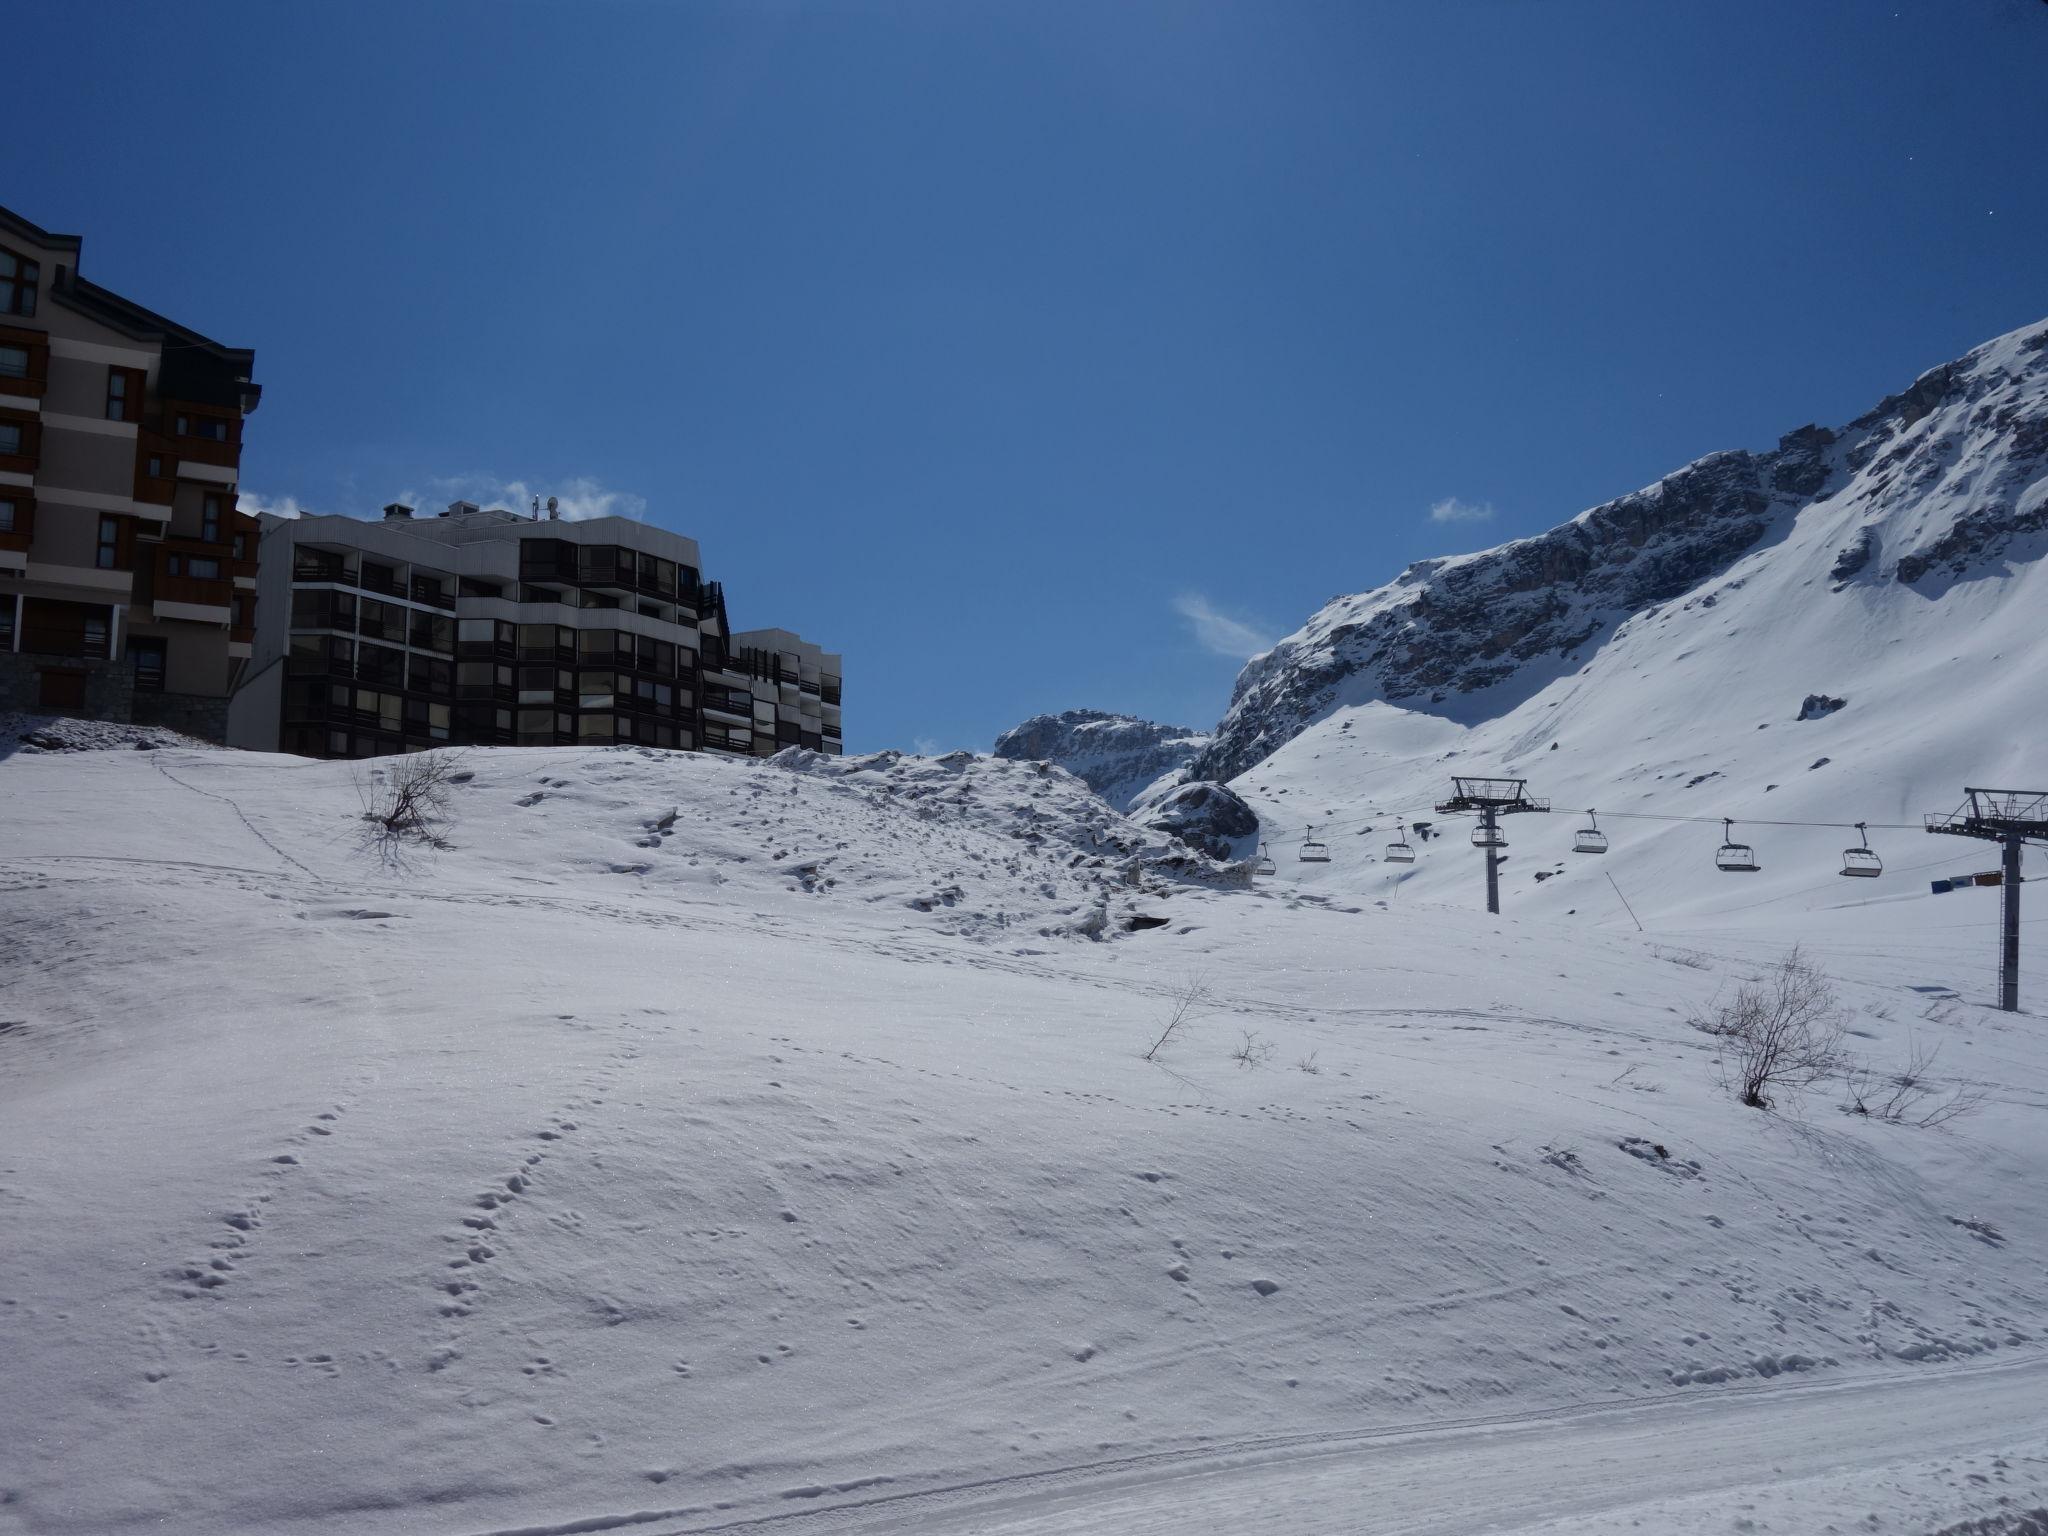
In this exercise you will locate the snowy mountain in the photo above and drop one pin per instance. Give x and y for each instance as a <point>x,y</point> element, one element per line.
<point>1118,756</point>
<point>1939,486</point>
<point>1846,629</point>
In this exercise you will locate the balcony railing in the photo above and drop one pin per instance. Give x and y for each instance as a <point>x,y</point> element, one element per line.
<point>48,640</point>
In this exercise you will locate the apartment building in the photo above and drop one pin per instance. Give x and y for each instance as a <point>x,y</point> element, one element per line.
<point>488,627</point>
<point>127,577</point>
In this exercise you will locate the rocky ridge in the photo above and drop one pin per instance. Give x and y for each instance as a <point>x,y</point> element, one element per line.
<point>1120,757</point>
<point>1942,480</point>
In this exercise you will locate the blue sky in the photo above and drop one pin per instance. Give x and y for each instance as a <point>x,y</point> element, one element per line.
<point>1040,355</point>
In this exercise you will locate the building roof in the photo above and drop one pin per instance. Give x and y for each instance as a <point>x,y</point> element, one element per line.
<point>195,367</point>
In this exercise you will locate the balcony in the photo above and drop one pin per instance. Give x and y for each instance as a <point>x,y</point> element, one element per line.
<point>178,594</point>
<point>322,565</point>
<point>433,592</point>
<point>65,640</point>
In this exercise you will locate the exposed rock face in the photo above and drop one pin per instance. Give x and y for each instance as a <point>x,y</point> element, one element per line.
<point>1819,706</point>
<point>1117,756</point>
<point>1470,637</point>
<point>1205,816</point>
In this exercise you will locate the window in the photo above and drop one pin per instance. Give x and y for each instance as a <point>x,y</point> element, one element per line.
<point>473,587</point>
<point>212,428</point>
<point>117,395</point>
<point>95,635</point>
<point>6,626</point>
<point>110,546</point>
<point>380,664</point>
<point>432,632</point>
<point>18,277</point>
<point>424,719</point>
<point>156,467</point>
<point>147,657</point>
<point>7,514</point>
<point>387,708</point>
<point>323,610</point>
<point>196,567</point>
<point>10,437</point>
<point>431,676</point>
<point>209,520</point>
<point>13,362</point>
<point>383,621</point>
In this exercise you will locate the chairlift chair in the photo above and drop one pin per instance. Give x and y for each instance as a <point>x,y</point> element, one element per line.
<point>1733,857</point>
<point>1265,866</point>
<point>1313,852</point>
<point>1484,836</point>
<point>1863,861</point>
<point>1589,838</point>
<point>1398,851</point>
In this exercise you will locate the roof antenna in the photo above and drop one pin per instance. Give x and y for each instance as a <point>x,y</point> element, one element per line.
<point>536,509</point>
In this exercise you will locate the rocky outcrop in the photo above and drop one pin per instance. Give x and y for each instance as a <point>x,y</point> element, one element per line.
<point>1117,756</point>
<point>1472,636</point>
<point>1205,816</point>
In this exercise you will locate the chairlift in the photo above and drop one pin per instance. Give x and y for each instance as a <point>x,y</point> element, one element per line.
<point>1265,866</point>
<point>1398,851</point>
<point>1862,862</point>
<point>1313,852</point>
<point>1589,838</point>
<point>1733,857</point>
<point>1484,836</point>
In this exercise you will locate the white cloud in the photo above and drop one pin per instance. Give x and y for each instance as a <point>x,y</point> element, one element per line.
<point>580,496</point>
<point>1219,632</point>
<point>1452,510</point>
<point>250,504</point>
<point>925,746</point>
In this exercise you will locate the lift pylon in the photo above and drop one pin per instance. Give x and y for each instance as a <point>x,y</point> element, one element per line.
<point>2010,818</point>
<point>1492,799</point>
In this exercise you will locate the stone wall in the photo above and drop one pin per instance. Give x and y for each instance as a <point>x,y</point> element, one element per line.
<point>109,685</point>
<point>194,714</point>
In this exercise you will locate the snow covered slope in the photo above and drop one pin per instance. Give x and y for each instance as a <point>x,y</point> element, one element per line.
<point>1846,629</point>
<point>794,1152</point>
<point>1119,756</point>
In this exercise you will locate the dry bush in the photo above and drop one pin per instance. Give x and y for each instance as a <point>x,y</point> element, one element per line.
<point>411,797</point>
<point>1253,1050</point>
<point>1186,1003</point>
<point>1780,1033</point>
<point>1910,1096</point>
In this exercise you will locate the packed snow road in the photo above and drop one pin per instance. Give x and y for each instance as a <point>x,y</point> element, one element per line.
<point>1902,1455</point>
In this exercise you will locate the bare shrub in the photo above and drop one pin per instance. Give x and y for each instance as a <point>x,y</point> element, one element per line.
<point>1309,1064</point>
<point>1253,1050</point>
<point>1780,1033</point>
<point>1186,1003</point>
<point>1910,1096</point>
<point>411,797</point>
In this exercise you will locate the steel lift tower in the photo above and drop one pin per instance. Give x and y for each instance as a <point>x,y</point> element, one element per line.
<point>1492,799</point>
<point>2010,818</point>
